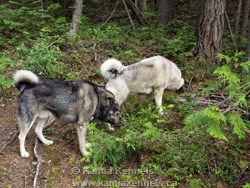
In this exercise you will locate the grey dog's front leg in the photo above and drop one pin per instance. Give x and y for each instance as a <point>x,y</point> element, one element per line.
<point>82,132</point>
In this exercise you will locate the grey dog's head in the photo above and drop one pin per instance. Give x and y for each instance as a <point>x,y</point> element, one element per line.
<point>113,114</point>
<point>109,108</point>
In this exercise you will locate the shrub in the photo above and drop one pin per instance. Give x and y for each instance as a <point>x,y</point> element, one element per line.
<point>41,58</point>
<point>5,77</point>
<point>234,80</point>
<point>24,20</point>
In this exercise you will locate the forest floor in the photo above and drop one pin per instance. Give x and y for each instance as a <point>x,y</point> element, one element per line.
<point>16,171</point>
<point>57,169</point>
<point>61,165</point>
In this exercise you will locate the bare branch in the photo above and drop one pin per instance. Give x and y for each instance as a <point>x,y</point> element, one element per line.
<point>110,14</point>
<point>216,100</point>
<point>38,164</point>
<point>237,17</point>
<point>137,13</point>
<point>12,138</point>
<point>129,16</point>
<point>230,30</point>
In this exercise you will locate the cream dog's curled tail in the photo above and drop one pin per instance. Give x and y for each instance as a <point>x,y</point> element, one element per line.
<point>110,68</point>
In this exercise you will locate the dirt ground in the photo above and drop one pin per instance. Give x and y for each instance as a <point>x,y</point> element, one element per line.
<point>56,169</point>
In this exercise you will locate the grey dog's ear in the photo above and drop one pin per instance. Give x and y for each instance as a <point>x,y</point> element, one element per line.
<point>111,100</point>
<point>116,106</point>
<point>113,103</point>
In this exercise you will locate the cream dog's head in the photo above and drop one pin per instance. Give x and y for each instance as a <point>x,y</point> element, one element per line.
<point>175,81</point>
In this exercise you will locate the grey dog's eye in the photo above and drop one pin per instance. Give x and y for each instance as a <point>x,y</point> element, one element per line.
<point>117,114</point>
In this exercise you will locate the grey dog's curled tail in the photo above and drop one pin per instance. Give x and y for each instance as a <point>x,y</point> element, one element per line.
<point>25,79</point>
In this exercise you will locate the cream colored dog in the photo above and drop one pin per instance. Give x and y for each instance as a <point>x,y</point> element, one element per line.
<point>152,74</point>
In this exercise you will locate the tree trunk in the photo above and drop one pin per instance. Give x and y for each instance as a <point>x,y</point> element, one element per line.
<point>142,5</point>
<point>245,17</point>
<point>137,13</point>
<point>248,47</point>
<point>166,10</point>
<point>237,17</point>
<point>201,4</point>
<point>210,28</point>
<point>74,26</point>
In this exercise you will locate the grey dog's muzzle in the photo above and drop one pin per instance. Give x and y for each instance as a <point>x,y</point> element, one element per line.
<point>114,115</point>
<point>115,120</point>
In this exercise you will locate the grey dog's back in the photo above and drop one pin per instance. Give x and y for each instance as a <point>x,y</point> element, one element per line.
<point>63,99</point>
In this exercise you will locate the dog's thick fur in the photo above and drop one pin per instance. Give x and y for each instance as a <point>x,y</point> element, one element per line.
<point>152,74</point>
<point>69,101</point>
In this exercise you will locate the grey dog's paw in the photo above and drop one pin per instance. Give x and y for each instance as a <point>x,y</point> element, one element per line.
<point>110,127</point>
<point>87,145</point>
<point>86,153</point>
<point>48,142</point>
<point>25,154</point>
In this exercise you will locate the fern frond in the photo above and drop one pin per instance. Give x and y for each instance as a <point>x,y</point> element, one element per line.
<point>195,120</point>
<point>226,74</point>
<point>241,100</point>
<point>245,66</point>
<point>239,126</point>
<point>214,113</point>
<point>152,132</point>
<point>210,116</point>
<point>215,130</point>
<point>224,57</point>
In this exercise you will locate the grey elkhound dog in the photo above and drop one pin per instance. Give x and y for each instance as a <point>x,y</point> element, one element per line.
<point>69,101</point>
<point>152,74</point>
